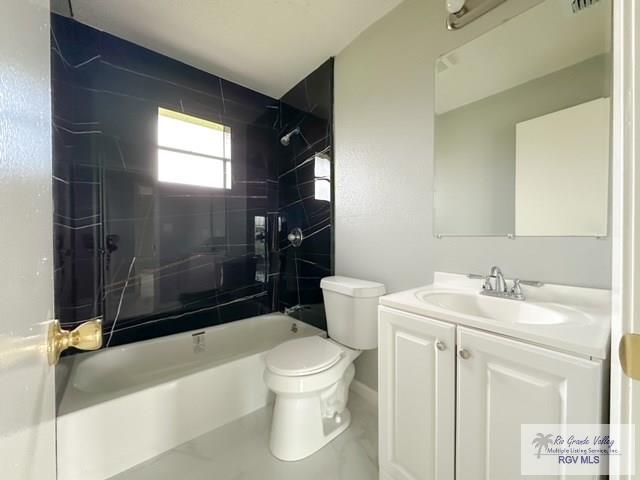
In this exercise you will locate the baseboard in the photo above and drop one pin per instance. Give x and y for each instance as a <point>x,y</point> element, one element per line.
<point>368,393</point>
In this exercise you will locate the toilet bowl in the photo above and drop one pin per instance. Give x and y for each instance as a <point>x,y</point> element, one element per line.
<point>311,376</point>
<point>311,397</point>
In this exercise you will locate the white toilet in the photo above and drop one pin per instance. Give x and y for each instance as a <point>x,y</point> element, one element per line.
<point>311,376</point>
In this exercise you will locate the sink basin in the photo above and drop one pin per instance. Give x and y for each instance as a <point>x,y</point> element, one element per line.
<point>500,309</point>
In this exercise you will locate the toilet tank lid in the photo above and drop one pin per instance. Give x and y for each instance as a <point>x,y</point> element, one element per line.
<point>353,287</point>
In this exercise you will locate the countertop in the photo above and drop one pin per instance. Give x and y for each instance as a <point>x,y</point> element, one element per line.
<point>588,338</point>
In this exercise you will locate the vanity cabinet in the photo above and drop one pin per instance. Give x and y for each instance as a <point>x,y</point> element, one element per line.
<point>503,383</point>
<point>495,383</point>
<point>416,397</point>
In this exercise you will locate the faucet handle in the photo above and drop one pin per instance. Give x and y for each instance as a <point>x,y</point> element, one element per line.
<point>486,285</point>
<point>516,290</point>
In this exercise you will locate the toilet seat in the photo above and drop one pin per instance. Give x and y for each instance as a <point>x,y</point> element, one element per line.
<point>303,356</point>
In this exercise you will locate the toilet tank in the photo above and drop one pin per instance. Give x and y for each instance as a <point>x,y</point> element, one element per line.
<point>351,306</point>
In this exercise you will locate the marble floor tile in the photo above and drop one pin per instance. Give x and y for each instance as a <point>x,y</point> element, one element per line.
<point>240,451</point>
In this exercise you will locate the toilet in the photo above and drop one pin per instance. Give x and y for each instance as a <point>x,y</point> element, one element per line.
<point>311,376</point>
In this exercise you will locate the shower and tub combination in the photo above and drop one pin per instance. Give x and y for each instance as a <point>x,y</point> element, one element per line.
<point>187,273</point>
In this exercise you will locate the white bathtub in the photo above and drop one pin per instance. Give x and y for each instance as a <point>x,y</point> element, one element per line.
<point>125,405</point>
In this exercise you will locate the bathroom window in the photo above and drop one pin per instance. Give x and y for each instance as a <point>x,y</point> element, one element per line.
<point>322,174</point>
<point>193,151</point>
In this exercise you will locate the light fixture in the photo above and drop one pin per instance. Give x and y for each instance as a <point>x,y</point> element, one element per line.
<point>454,6</point>
<point>462,12</point>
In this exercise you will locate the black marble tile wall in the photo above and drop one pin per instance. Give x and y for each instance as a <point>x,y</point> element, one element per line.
<point>155,258</point>
<point>306,193</point>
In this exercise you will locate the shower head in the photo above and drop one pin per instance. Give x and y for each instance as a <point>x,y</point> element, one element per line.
<point>285,140</point>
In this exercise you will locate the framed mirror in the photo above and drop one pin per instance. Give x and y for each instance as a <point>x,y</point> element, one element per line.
<point>522,127</point>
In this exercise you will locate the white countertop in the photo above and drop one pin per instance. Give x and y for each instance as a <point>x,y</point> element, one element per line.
<point>587,338</point>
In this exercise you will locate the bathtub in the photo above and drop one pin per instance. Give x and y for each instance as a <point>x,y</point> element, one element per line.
<point>124,405</point>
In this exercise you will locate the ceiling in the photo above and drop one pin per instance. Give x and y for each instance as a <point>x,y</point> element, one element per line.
<point>266,45</point>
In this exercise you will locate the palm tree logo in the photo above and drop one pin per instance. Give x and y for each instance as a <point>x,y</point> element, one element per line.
<point>542,441</point>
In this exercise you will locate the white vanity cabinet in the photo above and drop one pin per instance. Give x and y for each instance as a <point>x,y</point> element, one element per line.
<point>503,383</point>
<point>495,383</point>
<point>416,397</point>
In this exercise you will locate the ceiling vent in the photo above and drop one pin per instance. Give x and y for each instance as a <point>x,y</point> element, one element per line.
<point>579,5</point>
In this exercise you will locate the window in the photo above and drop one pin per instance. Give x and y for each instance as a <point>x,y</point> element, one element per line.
<point>192,151</point>
<point>322,174</point>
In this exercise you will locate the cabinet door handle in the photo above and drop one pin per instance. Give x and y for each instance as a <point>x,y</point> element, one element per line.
<point>464,354</point>
<point>441,346</point>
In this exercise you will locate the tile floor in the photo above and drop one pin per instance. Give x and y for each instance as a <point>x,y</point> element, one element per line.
<point>240,451</point>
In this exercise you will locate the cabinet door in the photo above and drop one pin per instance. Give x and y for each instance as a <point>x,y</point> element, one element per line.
<point>416,396</point>
<point>504,383</point>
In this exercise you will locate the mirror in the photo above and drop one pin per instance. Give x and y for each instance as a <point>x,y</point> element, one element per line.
<point>522,127</point>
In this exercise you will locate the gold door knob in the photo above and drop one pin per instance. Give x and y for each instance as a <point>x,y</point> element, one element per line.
<point>629,352</point>
<point>87,336</point>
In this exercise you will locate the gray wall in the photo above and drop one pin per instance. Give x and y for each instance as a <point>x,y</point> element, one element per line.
<point>384,168</point>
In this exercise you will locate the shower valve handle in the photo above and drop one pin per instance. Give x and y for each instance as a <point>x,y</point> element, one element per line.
<point>295,237</point>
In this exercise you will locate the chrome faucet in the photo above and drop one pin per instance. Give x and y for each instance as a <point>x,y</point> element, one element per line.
<point>499,287</point>
<point>500,283</point>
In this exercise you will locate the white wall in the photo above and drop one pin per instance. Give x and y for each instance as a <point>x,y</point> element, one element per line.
<point>384,84</point>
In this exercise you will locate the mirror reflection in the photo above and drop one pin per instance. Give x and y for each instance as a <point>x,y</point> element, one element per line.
<point>522,127</point>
